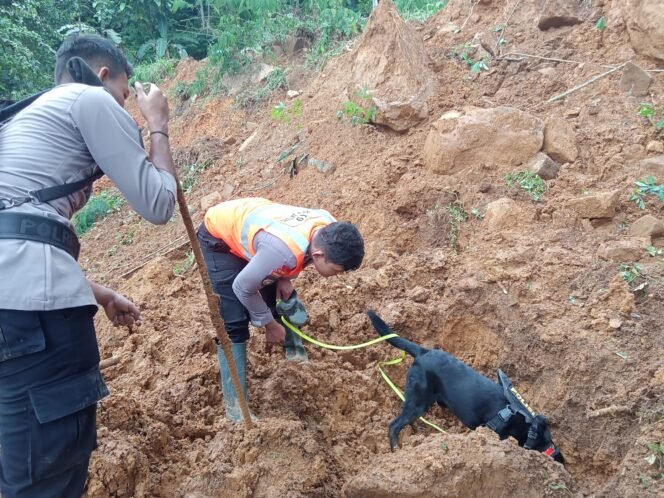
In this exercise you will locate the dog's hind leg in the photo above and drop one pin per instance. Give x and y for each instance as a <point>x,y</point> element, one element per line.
<point>417,401</point>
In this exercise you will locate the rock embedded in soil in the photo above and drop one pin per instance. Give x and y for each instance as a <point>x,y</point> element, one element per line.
<point>635,81</point>
<point>392,64</point>
<point>502,136</point>
<point>544,166</point>
<point>647,226</point>
<point>210,200</point>
<point>621,251</point>
<point>559,13</point>
<point>502,213</point>
<point>652,166</point>
<point>655,146</point>
<point>645,25</point>
<point>560,140</point>
<point>602,205</point>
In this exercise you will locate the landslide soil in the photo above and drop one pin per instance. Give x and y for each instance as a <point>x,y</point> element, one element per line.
<point>531,298</point>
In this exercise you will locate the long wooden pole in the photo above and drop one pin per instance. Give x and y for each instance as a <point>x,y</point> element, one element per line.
<point>213,305</point>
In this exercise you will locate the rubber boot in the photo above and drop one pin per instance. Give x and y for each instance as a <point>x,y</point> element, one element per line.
<point>231,402</point>
<point>293,347</point>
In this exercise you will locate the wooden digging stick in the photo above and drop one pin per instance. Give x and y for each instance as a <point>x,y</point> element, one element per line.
<point>213,305</point>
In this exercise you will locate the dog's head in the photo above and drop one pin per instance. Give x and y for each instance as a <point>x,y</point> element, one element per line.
<point>539,439</point>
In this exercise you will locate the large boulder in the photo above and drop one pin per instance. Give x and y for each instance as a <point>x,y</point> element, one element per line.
<point>645,25</point>
<point>391,62</point>
<point>499,136</point>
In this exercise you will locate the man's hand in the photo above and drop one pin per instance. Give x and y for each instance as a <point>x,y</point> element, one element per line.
<point>274,333</point>
<point>284,289</point>
<point>119,310</point>
<point>122,312</point>
<point>153,106</point>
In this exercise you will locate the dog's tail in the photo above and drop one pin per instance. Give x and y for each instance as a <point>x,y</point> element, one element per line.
<point>398,342</point>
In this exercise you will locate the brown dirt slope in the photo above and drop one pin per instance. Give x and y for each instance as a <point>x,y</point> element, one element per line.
<point>533,288</point>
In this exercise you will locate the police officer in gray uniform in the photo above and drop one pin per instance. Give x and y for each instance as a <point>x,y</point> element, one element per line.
<point>50,153</point>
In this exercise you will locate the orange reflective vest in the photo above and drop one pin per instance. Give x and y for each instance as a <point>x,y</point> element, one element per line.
<point>238,221</point>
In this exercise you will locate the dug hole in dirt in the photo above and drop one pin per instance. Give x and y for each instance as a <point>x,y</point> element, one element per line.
<point>455,260</point>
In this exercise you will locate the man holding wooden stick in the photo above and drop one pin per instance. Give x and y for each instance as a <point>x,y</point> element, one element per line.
<point>50,154</point>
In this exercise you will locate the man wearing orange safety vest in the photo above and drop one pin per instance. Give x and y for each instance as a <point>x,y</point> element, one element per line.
<point>253,248</point>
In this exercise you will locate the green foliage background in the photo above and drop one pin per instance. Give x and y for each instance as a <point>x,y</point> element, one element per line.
<point>151,31</point>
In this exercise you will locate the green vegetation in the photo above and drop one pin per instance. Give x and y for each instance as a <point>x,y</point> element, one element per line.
<point>363,113</point>
<point>645,188</point>
<point>189,177</point>
<point>283,113</point>
<point>466,53</point>
<point>231,33</point>
<point>184,265</point>
<point>98,207</point>
<point>631,274</point>
<point>647,111</point>
<point>531,183</point>
<point>154,72</point>
<point>600,24</point>
<point>656,458</point>
<point>453,215</point>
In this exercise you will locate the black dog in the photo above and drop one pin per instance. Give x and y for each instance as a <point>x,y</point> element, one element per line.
<point>439,377</point>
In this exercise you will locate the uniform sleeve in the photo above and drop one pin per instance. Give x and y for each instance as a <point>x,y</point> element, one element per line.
<point>113,140</point>
<point>271,255</point>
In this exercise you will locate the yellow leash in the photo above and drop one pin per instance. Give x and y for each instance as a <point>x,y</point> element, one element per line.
<point>379,365</point>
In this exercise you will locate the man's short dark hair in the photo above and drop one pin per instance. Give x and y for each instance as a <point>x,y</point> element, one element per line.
<point>343,244</point>
<point>96,50</point>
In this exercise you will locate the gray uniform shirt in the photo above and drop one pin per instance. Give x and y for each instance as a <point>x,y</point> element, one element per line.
<point>63,137</point>
<point>272,254</point>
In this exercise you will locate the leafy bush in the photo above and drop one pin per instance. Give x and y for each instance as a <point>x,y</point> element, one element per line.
<point>98,207</point>
<point>153,72</point>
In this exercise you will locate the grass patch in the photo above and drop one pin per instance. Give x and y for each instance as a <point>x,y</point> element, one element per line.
<point>191,174</point>
<point>276,80</point>
<point>362,113</point>
<point>98,207</point>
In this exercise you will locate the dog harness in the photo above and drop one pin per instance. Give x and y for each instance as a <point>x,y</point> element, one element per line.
<point>516,404</point>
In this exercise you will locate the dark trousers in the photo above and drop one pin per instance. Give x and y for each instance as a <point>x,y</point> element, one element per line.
<point>49,388</point>
<point>223,267</point>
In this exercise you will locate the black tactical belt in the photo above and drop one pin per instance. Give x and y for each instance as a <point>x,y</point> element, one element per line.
<point>39,229</point>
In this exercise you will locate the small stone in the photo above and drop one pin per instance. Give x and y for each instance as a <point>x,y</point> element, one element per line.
<point>418,294</point>
<point>560,13</point>
<point>248,141</point>
<point>251,125</point>
<point>652,166</point>
<point>560,140</point>
<point>210,200</point>
<point>292,94</point>
<point>333,320</point>
<point>601,205</point>
<point>655,146</point>
<point>322,166</point>
<point>227,191</point>
<point>615,323</point>
<point>229,140</point>
<point>543,166</point>
<point>502,213</point>
<point>635,80</point>
<point>572,113</point>
<point>621,251</point>
<point>646,226</point>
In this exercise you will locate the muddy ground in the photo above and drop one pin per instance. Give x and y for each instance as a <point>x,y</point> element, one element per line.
<point>531,287</point>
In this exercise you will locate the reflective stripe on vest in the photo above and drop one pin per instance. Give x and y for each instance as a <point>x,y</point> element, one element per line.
<point>237,222</point>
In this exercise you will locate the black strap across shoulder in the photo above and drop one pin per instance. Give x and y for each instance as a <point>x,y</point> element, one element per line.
<point>39,229</point>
